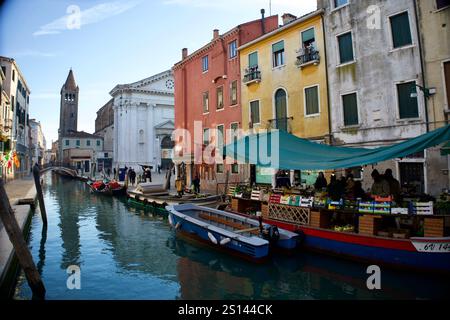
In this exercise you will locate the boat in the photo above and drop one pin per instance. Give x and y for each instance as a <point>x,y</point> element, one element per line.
<point>106,187</point>
<point>236,234</point>
<point>418,253</point>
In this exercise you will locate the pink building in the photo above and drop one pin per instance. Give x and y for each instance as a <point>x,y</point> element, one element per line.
<point>207,90</point>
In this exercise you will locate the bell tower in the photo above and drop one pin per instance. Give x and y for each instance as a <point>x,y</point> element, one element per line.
<point>68,116</point>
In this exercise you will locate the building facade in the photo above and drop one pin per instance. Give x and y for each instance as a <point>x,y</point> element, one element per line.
<point>81,150</point>
<point>38,144</point>
<point>143,122</point>
<point>104,127</point>
<point>5,127</point>
<point>16,117</point>
<point>207,96</point>
<point>284,84</point>
<point>375,84</point>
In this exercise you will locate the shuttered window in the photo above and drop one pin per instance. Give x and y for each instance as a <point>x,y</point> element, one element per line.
<point>350,105</point>
<point>254,112</point>
<point>401,31</point>
<point>205,63</point>
<point>219,105</point>
<point>253,59</point>
<point>340,3</point>
<point>233,93</point>
<point>278,54</point>
<point>312,100</point>
<point>345,48</point>
<point>407,100</point>
<point>205,99</point>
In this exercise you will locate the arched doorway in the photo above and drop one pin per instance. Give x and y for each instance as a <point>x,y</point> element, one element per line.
<point>166,152</point>
<point>281,110</point>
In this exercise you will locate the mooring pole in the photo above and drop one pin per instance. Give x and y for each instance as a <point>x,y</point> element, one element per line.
<point>20,246</point>
<point>37,182</point>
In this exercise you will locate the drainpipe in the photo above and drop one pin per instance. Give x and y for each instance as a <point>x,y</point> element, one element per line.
<point>327,79</point>
<point>422,66</point>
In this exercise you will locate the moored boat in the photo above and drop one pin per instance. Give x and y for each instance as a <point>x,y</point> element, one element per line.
<point>106,187</point>
<point>236,234</point>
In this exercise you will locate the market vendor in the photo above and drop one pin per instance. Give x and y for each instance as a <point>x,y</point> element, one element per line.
<point>394,185</point>
<point>321,182</point>
<point>380,186</point>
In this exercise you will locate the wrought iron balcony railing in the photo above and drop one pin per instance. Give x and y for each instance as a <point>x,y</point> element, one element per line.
<point>307,56</point>
<point>252,74</point>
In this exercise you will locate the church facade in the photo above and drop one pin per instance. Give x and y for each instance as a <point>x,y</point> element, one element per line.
<point>143,122</point>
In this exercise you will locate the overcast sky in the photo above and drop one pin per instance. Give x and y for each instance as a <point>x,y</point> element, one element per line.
<point>112,42</point>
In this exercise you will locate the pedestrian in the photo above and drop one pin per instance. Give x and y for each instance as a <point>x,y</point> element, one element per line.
<point>196,183</point>
<point>108,172</point>
<point>115,173</point>
<point>394,185</point>
<point>132,176</point>
<point>148,175</point>
<point>321,182</point>
<point>159,169</point>
<point>380,186</point>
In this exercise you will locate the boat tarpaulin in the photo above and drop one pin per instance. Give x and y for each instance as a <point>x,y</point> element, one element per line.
<point>281,150</point>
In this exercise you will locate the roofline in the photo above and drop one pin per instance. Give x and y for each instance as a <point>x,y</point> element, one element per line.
<point>221,37</point>
<point>294,23</point>
<point>13,61</point>
<point>118,87</point>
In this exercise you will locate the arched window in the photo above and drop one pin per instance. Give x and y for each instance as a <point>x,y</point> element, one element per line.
<point>141,136</point>
<point>281,110</point>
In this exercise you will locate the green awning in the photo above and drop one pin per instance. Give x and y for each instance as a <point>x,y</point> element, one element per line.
<point>445,150</point>
<point>280,150</point>
<point>278,46</point>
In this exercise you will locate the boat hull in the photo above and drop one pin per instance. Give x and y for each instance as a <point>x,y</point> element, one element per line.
<point>397,253</point>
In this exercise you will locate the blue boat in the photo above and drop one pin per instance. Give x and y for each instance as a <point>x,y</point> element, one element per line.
<point>241,236</point>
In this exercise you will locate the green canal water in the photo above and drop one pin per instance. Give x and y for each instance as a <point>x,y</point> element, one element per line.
<point>125,253</point>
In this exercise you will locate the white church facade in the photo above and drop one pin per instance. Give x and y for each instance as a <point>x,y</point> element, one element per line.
<point>143,122</point>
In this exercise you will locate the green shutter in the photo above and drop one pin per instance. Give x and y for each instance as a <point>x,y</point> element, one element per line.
<point>346,48</point>
<point>279,46</point>
<point>401,32</point>
<point>253,59</point>
<point>254,109</point>
<point>350,104</point>
<point>408,106</point>
<point>308,35</point>
<point>312,100</point>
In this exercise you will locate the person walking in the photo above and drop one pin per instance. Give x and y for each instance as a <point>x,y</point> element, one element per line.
<point>132,176</point>
<point>196,183</point>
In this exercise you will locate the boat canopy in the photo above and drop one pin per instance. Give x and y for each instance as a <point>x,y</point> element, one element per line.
<point>281,150</point>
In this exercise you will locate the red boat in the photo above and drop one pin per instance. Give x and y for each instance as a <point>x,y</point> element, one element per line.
<point>106,187</point>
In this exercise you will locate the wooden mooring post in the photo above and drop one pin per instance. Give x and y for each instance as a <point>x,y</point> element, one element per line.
<point>37,182</point>
<point>20,246</point>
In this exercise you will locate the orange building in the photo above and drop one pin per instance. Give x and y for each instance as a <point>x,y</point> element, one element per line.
<point>207,92</point>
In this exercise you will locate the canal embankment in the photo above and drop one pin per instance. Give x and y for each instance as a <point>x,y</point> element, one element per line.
<point>18,191</point>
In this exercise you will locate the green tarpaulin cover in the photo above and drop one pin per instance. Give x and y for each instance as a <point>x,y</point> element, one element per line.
<point>280,150</point>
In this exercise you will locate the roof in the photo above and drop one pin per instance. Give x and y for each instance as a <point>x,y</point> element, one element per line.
<point>12,61</point>
<point>284,27</point>
<point>81,135</point>
<point>70,82</point>
<point>136,85</point>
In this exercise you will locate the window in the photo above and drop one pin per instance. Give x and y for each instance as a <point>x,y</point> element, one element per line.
<point>220,138</point>
<point>98,143</point>
<point>407,100</point>
<point>232,49</point>
<point>233,93</point>
<point>281,121</point>
<point>235,168</point>
<point>401,32</point>
<point>253,59</point>
<point>88,142</point>
<point>312,100</point>
<point>219,98</point>
<point>340,3</point>
<point>442,4</point>
<point>219,168</point>
<point>205,102</point>
<point>4,70</point>
<point>309,39</point>
<point>67,142</point>
<point>14,75</point>
<point>350,105</point>
<point>278,54</point>
<point>206,136</point>
<point>234,131</point>
<point>78,143</point>
<point>254,112</point>
<point>106,155</point>
<point>205,64</point>
<point>345,48</point>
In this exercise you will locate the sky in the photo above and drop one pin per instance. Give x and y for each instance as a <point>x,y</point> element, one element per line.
<point>110,42</point>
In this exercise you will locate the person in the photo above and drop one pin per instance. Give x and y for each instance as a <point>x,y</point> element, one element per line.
<point>394,185</point>
<point>179,184</point>
<point>132,176</point>
<point>115,173</point>
<point>321,182</point>
<point>196,183</point>
<point>350,186</point>
<point>283,180</point>
<point>108,172</point>
<point>358,191</point>
<point>159,169</point>
<point>335,190</point>
<point>148,175</point>
<point>380,186</point>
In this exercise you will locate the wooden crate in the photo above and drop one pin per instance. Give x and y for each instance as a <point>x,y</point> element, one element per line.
<point>434,227</point>
<point>369,225</point>
<point>265,211</point>
<point>235,204</point>
<point>320,219</point>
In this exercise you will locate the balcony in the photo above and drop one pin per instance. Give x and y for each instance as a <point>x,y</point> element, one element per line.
<point>307,56</point>
<point>252,75</point>
<point>282,124</point>
<point>8,125</point>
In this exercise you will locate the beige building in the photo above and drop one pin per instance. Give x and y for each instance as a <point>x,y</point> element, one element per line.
<point>104,127</point>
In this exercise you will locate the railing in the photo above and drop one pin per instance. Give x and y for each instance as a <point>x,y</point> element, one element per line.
<point>282,124</point>
<point>307,56</point>
<point>252,74</point>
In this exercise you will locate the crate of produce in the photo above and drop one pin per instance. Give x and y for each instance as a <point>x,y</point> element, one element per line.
<point>306,202</point>
<point>275,198</point>
<point>381,207</point>
<point>335,205</point>
<point>421,208</point>
<point>320,203</point>
<point>383,199</point>
<point>256,195</point>
<point>295,201</point>
<point>285,200</point>
<point>366,207</point>
<point>403,211</point>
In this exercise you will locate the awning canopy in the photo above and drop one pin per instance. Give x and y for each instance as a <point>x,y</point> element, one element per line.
<point>280,150</point>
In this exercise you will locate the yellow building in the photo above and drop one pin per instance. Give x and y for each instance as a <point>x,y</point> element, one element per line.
<point>285,80</point>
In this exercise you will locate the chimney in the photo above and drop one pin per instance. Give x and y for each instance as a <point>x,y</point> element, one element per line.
<point>215,34</point>
<point>184,53</point>
<point>288,18</point>
<point>263,24</point>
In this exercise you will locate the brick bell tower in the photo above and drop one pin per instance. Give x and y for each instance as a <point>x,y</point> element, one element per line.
<point>68,116</point>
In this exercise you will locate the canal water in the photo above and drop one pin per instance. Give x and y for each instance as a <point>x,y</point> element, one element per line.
<point>125,253</point>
